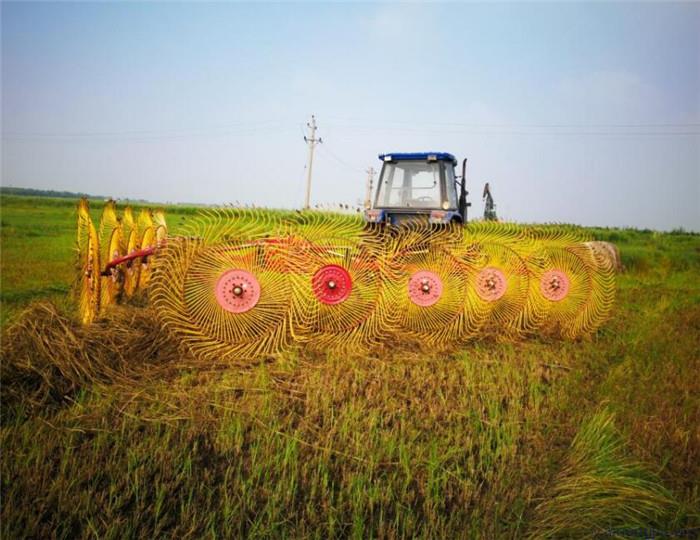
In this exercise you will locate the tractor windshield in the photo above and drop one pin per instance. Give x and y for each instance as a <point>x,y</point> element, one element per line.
<point>410,184</point>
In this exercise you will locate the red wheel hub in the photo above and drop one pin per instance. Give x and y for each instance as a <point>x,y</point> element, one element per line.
<point>332,284</point>
<point>555,285</point>
<point>424,288</point>
<point>491,284</point>
<point>237,291</point>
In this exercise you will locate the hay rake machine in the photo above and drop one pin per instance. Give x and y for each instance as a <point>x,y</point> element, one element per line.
<point>237,284</point>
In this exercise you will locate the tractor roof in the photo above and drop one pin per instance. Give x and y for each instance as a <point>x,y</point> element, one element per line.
<point>440,156</point>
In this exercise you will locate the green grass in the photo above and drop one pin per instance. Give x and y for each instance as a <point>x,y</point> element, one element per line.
<point>540,438</point>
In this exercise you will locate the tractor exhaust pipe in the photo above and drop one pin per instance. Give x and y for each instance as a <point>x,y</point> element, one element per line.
<point>463,204</point>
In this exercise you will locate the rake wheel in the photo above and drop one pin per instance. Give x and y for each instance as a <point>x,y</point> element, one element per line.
<point>111,239</point>
<point>148,240</point>
<point>338,282</point>
<point>574,289</point>
<point>339,293</point>
<point>499,284</point>
<point>227,302</point>
<point>144,230</point>
<point>128,223</point>
<point>427,287</point>
<point>161,235</point>
<point>161,228</point>
<point>112,284</point>
<point>88,266</point>
<point>132,269</point>
<point>84,222</point>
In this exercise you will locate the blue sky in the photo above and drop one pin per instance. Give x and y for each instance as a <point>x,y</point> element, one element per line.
<point>584,113</point>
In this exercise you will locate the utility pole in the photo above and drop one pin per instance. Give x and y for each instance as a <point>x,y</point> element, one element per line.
<point>312,142</point>
<point>368,189</point>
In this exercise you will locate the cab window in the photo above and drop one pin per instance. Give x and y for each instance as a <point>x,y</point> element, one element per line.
<point>410,184</point>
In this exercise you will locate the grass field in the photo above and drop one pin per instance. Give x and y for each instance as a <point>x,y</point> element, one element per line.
<point>109,431</point>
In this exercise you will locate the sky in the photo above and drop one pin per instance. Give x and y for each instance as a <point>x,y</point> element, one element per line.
<point>576,113</point>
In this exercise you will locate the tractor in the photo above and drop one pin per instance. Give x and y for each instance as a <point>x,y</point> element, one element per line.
<point>420,186</point>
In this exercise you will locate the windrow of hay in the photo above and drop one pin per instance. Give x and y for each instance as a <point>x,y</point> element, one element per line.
<point>47,357</point>
<point>603,491</point>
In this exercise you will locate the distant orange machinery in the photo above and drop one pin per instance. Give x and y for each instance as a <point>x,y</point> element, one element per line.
<point>237,284</point>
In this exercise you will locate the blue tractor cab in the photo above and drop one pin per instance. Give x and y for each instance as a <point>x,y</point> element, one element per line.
<point>419,186</point>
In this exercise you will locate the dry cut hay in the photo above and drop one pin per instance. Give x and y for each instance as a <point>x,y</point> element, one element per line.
<point>48,357</point>
<point>603,491</point>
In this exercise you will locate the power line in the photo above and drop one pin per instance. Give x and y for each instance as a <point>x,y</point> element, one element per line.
<point>531,132</point>
<point>630,125</point>
<point>221,129</point>
<point>344,163</point>
<point>619,129</point>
